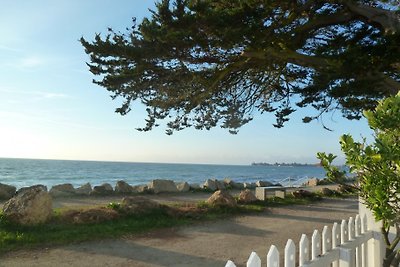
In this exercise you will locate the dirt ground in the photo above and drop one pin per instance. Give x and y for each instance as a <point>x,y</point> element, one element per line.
<point>203,244</point>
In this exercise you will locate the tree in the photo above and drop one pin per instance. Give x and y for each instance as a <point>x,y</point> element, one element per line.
<point>204,63</point>
<point>378,169</point>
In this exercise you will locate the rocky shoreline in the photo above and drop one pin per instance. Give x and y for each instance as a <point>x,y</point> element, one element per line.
<point>123,188</point>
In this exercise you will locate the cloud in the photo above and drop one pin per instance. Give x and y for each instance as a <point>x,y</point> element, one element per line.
<point>35,95</point>
<point>31,62</point>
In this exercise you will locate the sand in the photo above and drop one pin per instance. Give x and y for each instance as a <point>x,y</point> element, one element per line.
<point>202,244</point>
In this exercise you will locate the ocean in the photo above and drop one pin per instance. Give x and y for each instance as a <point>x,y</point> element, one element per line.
<point>27,172</point>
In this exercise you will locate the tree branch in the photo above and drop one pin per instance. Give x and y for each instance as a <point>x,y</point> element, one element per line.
<point>390,84</point>
<point>388,20</point>
<point>291,57</point>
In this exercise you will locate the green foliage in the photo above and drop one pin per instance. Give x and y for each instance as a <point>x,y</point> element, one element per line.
<point>378,164</point>
<point>378,169</point>
<point>214,62</point>
<point>333,173</point>
<point>114,205</point>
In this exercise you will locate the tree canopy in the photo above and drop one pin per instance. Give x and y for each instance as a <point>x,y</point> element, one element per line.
<point>204,63</point>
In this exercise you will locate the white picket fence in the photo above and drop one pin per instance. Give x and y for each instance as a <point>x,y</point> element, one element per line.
<point>344,245</point>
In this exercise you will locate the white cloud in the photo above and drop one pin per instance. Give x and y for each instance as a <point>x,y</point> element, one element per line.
<point>31,62</point>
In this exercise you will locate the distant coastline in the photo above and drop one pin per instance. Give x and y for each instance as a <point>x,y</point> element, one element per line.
<point>294,164</point>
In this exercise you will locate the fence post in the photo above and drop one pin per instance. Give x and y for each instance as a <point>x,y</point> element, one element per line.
<point>376,247</point>
<point>346,257</point>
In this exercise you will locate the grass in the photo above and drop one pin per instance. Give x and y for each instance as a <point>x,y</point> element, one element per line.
<point>58,232</point>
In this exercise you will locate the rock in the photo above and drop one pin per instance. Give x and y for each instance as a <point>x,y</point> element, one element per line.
<point>62,190</point>
<point>102,190</point>
<point>7,191</point>
<point>38,186</point>
<point>302,193</point>
<point>312,182</point>
<point>123,187</point>
<point>220,185</point>
<point>249,185</point>
<point>246,196</point>
<point>195,186</point>
<point>263,183</point>
<point>160,186</point>
<point>210,184</point>
<point>31,206</point>
<point>237,185</point>
<point>327,192</point>
<point>85,189</point>
<point>140,189</point>
<point>183,187</point>
<point>138,204</point>
<point>228,182</point>
<point>345,188</point>
<point>222,198</point>
<point>94,215</point>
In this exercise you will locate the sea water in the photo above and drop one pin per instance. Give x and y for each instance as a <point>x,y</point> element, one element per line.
<point>27,172</point>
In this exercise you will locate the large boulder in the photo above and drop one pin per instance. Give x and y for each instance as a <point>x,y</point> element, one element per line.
<point>94,215</point>
<point>7,191</point>
<point>247,196</point>
<point>312,182</point>
<point>210,184</point>
<point>138,204</point>
<point>140,188</point>
<point>195,186</point>
<point>102,190</point>
<point>32,206</point>
<point>220,185</point>
<point>183,187</point>
<point>37,186</point>
<point>85,189</point>
<point>222,198</point>
<point>327,192</point>
<point>123,187</point>
<point>161,186</point>
<point>62,190</point>
<point>345,188</point>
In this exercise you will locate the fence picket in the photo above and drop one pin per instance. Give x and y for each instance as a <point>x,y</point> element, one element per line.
<point>230,264</point>
<point>273,257</point>
<point>303,250</point>
<point>351,229</point>
<point>326,240</point>
<point>254,260</point>
<point>345,246</point>
<point>336,233</point>
<point>315,245</point>
<point>357,224</point>
<point>343,232</point>
<point>364,247</point>
<point>290,254</point>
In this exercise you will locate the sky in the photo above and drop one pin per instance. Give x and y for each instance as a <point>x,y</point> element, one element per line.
<point>50,109</point>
